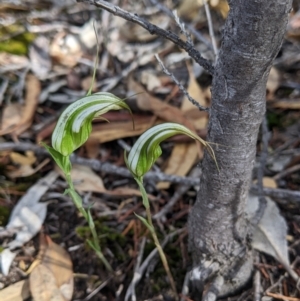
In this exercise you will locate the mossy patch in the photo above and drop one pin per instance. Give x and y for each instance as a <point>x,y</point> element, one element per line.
<point>4,215</point>
<point>18,39</point>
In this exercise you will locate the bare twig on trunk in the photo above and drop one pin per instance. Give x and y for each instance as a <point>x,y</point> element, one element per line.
<point>180,86</point>
<point>210,28</point>
<point>190,27</point>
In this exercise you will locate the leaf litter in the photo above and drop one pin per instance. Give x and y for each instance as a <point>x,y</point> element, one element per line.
<point>57,71</point>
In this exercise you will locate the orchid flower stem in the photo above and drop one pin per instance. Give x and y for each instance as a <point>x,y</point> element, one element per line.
<point>86,214</point>
<point>153,233</point>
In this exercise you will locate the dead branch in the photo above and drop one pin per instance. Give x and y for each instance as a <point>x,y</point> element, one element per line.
<point>277,194</point>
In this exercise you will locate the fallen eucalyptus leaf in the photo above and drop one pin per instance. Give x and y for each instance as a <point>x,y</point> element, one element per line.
<point>18,291</point>
<point>43,285</point>
<point>6,257</point>
<point>270,234</point>
<point>28,215</point>
<point>56,262</point>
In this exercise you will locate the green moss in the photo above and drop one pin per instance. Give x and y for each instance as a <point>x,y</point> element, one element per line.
<point>83,232</point>
<point>281,119</point>
<point>274,119</point>
<point>106,234</point>
<point>4,215</point>
<point>19,41</point>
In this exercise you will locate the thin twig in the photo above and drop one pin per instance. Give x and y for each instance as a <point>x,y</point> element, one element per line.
<point>153,29</point>
<point>180,86</point>
<point>190,27</point>
<point>257,281</point>
<point>161,215</point>
<point>282,297</point>
<point>210,28</point>
<point>283,194</point>
<point>181,25</point>
<point>287,172</point>
<point>131,288</point>
<point>149,258</point>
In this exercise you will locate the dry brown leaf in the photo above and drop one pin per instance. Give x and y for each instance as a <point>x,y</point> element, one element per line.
<point>221,6</point>
<point>10,60</point>
<point>189,9</point>
<point>26,170</point>
<point>92,148</point>
<point>85,179</point>
<point>45,132</point>
<point>43,285</point>
<point>86,84</point>
<point>20,172</point>
<point>293,28</point>
<point>116,130</point>
<point>288,105</point>
<point>12,115</point>
<point>273,83</point>
<point>18,291</point>
<point>21,124</point>
<point>135,33</point>
<point>184,155</point>
<point>66,49</point>
<point>146,102</point>
<point>126,191</point>
<point>150,80</point>
<point>58,261</point>
<point>268,182</point>
<point>53,277</point>
<point>33,90</point>
<point>183,158</point>
<point>28,159</point>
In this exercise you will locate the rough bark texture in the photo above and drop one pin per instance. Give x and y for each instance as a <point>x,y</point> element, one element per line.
<point>218,230</point>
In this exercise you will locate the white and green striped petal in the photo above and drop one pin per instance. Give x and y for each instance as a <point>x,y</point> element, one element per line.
<point>75,123</point>
<point>146,150</point>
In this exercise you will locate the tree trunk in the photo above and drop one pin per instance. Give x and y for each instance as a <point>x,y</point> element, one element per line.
<point>218,231</point>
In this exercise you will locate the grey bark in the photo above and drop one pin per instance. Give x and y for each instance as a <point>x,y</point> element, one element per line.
<point>218,230</point>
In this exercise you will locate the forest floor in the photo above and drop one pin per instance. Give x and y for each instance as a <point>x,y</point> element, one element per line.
<point>47,54</point>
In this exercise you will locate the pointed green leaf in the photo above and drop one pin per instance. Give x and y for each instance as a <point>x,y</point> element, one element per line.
<point>90,219</point>
<point>75,123</point>
<point>77,201</point>
<point>145,222</point>
<point>146,150</point>
<point>62,161</point>
<point>91,244</point>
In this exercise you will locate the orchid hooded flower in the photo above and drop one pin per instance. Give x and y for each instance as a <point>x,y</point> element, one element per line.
<point>75,123</point>
<point>146,149</point>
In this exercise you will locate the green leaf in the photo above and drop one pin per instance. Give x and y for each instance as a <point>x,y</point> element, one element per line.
<point>144,193</point>
<point>90,219</point>
<point>146,150</point>
<point>145,222</point>
<point>62,161</point>
<point>91,244</point>
<point>75,123</point>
